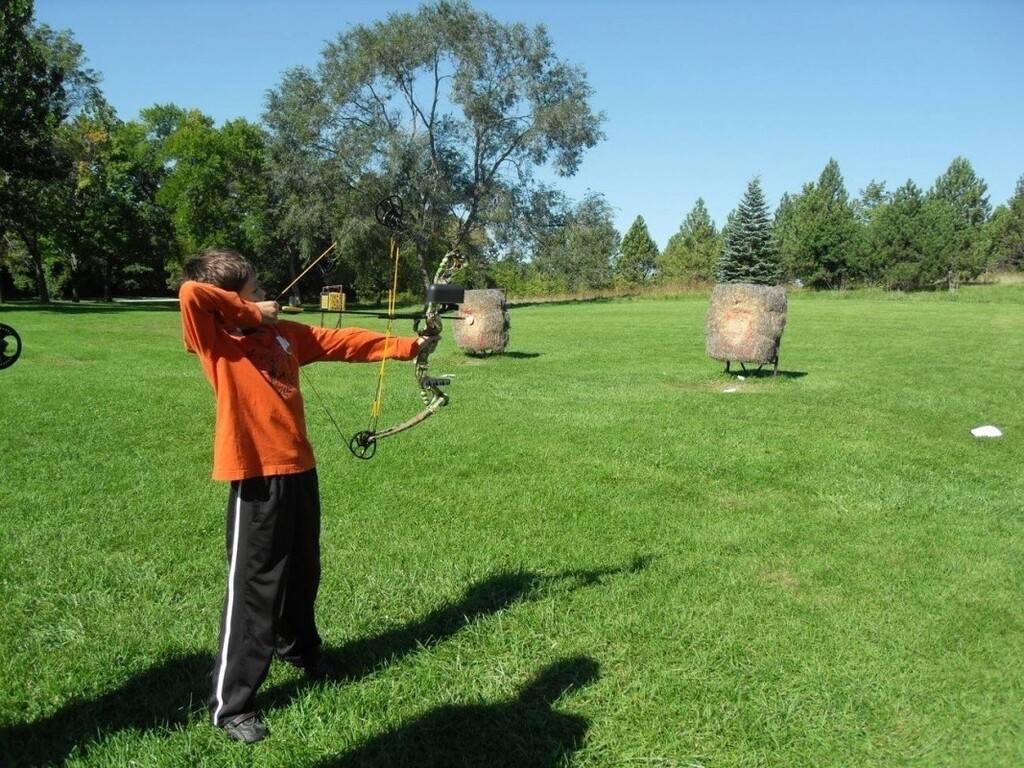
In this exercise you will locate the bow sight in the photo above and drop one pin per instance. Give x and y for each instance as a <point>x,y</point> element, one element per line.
<point>10,346</point>
<point>449,295</point>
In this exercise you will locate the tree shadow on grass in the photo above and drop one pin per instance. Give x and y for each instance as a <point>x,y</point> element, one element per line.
<point>525,731</point>
<point>168,695</point>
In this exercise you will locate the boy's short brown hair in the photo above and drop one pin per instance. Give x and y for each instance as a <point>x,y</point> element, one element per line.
<point>221,267</point>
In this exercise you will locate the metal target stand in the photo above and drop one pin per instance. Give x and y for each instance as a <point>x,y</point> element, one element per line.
<point>332,301</point>
<point>774,362</point>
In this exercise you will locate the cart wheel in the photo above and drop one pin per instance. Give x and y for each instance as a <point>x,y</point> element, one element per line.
<point>10,346</point>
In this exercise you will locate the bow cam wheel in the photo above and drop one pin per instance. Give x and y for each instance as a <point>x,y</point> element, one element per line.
<point>363,445</point>
<point>389,212</point>
<point>10,346</point>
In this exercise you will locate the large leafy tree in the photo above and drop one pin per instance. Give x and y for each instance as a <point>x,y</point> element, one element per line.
<point>115,235</point>
<point>578,254</point>
<point>692,253</point>
<point>750,254</point>
<point>35,99</point>
<point>32,97</point>
<point>446,107</point>
<point>638,258</point>
<point>215,187</point>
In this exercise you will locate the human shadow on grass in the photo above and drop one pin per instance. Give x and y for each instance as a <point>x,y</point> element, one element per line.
<point>162,697</point>
<point>525,731</point>
<point>168,695</point>
<point>364,656</point>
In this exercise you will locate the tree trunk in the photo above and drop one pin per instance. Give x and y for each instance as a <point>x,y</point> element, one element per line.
<point>108,279</point>
<point>35,254</point>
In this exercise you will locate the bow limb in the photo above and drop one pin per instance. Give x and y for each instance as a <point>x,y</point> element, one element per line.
<point>364,444</point>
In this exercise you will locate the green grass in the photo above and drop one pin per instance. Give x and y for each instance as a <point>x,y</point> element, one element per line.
<point>595,556</point>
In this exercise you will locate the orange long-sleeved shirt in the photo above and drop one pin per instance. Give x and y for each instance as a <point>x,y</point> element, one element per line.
<point>254,372</point>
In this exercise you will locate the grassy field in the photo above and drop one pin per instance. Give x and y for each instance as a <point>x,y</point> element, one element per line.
<point>595,556</point>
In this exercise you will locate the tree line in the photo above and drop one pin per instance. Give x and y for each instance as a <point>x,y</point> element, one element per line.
<point>463,118</point>
<point>908,239</point>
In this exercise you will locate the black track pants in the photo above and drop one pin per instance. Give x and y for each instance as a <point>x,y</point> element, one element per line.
<point>273,542</point>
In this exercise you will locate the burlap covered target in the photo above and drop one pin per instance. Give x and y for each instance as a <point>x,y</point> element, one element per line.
<point>745,322</point>
<point>484,326</point>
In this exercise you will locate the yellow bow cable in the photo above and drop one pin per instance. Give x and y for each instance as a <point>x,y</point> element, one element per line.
<point>392,300</point>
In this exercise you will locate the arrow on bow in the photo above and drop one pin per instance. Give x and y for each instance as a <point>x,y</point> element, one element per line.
<point>302,274</point>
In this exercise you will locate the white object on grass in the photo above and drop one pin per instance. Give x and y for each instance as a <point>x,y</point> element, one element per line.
<point>987,431</point>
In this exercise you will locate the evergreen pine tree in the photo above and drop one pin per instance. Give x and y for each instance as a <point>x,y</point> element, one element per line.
<point>750,254</point>
<point>829,230</point>
<point>693,251</point>
<point>962,200</point>
<point>1004,241</point>
<point>902,240</point>
<point>639,255</point>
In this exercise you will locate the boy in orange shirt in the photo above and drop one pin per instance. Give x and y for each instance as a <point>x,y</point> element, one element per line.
<point>261,448</point>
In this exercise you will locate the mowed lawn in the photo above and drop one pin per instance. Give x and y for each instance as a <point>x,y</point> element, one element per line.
<point>595,556</point>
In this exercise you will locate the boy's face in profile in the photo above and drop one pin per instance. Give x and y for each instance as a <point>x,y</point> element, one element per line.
<point>251,291</point>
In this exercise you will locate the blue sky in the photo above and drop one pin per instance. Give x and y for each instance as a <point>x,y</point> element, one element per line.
<point>700,97</point>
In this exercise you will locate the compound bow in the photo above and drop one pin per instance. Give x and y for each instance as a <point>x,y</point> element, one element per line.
<point>441,296</point>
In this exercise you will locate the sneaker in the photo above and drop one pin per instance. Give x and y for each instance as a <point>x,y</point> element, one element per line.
<point>247,728</point>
